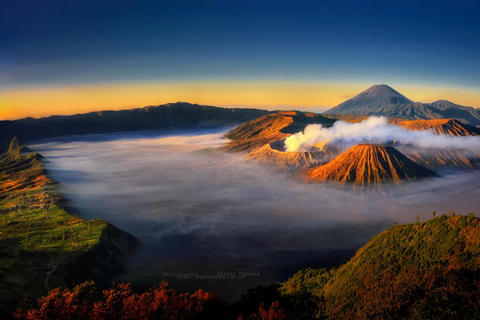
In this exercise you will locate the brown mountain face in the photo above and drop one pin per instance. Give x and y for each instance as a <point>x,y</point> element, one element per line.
<point>436,158</point>
<point>272,154</point>
<point>451,127</point>
<point>262,140</point>
<point>369,164</point>
<point>461,159</point>
<point>270,128</point>
<point>441,127</point>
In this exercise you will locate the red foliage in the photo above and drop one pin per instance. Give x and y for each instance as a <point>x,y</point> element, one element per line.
<point>275,312</point>
<point>117,303</point>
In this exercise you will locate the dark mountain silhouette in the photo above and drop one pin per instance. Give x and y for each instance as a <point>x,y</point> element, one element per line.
<point>178,115</point>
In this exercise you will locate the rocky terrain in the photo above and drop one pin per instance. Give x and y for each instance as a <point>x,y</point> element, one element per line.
<point>369,165</point>
<point>441,127</point>
<point>263,140</point>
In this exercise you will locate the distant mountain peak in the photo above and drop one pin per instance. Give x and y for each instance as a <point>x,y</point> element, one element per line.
<point>380,91</point>
<point>382,100</point>
<point>445,102</point>
<point>374,98</point>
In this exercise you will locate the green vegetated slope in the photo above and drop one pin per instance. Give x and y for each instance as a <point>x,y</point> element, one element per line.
<point>427,270</point>
<point>41,245</point>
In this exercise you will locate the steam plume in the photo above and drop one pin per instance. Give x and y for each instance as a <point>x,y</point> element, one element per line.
<point>375,130</point>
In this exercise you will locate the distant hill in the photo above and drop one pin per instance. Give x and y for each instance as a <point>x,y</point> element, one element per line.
<point>436,126</point>
<point>427,270</point>
<point>178,115</point>
<point>369,164</point>
<point>354,118</point>
<point>444,158</point>
<point>442,127</point>
<point>381,100</point>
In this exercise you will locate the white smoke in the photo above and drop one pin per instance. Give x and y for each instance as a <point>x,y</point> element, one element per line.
<point>375,130</point>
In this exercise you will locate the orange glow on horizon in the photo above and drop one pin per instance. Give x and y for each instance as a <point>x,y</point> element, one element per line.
<point>315,96</point>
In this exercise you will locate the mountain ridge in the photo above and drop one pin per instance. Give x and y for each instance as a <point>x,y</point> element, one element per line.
<point>377,96</point>
<point>178,115</point>
<point>369,102</point>
<point>441,127</point>
<point>271,127</point>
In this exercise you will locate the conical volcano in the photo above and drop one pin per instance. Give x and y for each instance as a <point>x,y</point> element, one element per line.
<point>369,164</point>
<point>370,101</point>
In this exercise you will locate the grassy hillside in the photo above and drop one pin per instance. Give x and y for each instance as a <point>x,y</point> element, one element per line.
<point>424,270</point>
<point>427,270</point>
<point>41,245</point>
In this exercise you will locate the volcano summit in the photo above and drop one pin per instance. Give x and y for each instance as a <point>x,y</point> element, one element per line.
<point>370,164</point>
<point>374,98</point>
<point>382,100</point>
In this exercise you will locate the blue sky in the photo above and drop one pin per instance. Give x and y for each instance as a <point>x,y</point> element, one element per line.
<point>58,43</point>
<point>100,41</point>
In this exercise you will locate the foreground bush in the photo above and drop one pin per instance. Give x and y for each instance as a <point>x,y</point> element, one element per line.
<point>85,301</point>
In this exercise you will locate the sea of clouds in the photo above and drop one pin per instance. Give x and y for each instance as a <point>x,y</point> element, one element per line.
<point>198,209</point>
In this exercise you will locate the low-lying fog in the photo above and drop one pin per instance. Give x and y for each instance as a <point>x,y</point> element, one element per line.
<point>198,210</point>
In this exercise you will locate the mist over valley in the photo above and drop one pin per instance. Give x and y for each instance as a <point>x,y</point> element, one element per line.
<point>198,209</point>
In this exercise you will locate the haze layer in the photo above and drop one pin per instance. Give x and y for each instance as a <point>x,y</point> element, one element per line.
<point>199,207</point>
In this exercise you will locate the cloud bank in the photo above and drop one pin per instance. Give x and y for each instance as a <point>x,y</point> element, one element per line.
<point>375,130</point>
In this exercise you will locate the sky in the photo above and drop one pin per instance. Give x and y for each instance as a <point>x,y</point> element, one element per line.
<point>65,57</point>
